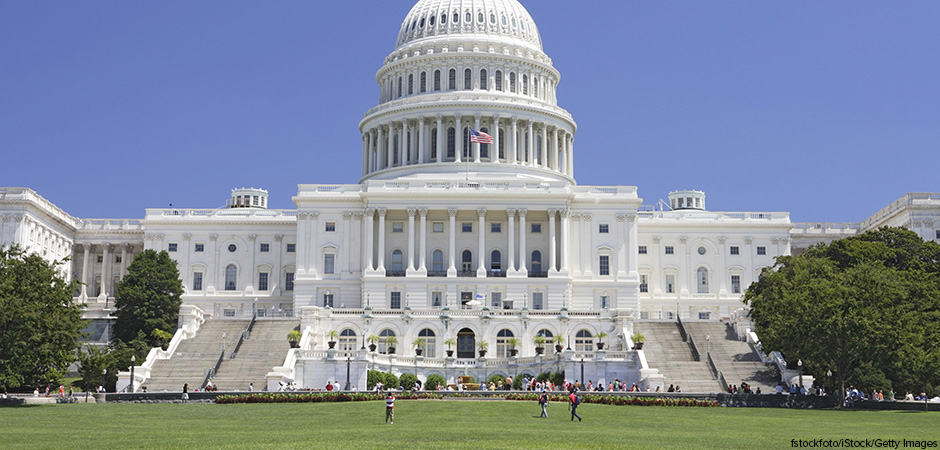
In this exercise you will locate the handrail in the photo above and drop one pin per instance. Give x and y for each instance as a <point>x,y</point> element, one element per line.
<point>213,370</point>
<point>245,334</point>
<point>688,339</point>
<point>718,374</point>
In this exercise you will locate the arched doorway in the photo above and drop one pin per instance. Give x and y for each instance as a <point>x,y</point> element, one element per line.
<point>466,343</point>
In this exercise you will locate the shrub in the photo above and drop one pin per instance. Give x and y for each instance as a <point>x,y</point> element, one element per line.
<point>407,381</point>
<point>495,379</point>
<point>558,378</point>
<point>433,381</point>
<point>373,377</point>
<point>517,382</point>
<point>391,381</point>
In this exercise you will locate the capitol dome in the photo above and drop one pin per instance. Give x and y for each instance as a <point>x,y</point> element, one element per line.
<point>487,18</point>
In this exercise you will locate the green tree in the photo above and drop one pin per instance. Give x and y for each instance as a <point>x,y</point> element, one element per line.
<point>433,380</point>
<point>40,327</point>
<point>407,381</point>
<point>148,299</point>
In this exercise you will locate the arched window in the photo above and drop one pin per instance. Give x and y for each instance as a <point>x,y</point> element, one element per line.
<point>536,261</point>
<point>396,261</point>
<point>437,261</point>
<point>466,142</point>
<point>231,275</point>
<point>545,333</point>
<point>538,149</point>
<point>525,85</point>
<point>411,83</point>
<point>423,86</point>
<point>468,79</point>
<point>395,150</point>
<point>535,87</point>
<point>383,340</point>
<point>502,347</point>
<point>456,17</point>
<point>483,79</point>
<point>502,144</point>
<point>347,340</point>
<point>485,148</point>
<point>399,87</point>
<point>496,261</point>
<point>434,143</point>
<point>583,341</point>
<point>443,18</point>
<point>451,142</point>
<point>452,80</point>
<point>466,261</point>
<point>701,277</point>
<point>512,82</point>
<point>430,342</point>
<point>437,80</point>
<point>499,80</point>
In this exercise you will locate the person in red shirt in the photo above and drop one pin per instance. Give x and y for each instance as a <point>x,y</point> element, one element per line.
<point>390,408</point>
<point>574,401</point>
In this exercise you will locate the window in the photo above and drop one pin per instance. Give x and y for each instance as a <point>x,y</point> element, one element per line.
<point>231,273</point>
<point>265,247</point>
<point>604,264</point>
<point>329,263</point>
<point>496,261</point>
<point>937,235</point>
<point>761,250</point>
<point>466,261</point>
<point>328,299</point>
<point>735,284</point>
<point>172,246</point>
<point>197,281</point>
<point>584,341</point>
<point>423,85</point>
<point>603,228</point>
<point>701,280</point>
<point>466,227</point>
<point>502,348</point>
<point>451,142</point>
<point>499,80</point>
<point>430,342</point>
<point>395,300</point>
<point>291,248</point>
<point>330,227</point>
<point>411,84</point>
<point>232,248</point>
<point>605,301</point>
<point>537,302</point>
<point>670,284</point>
<point>644,284</point>
<point>399,87</point>
<point>670,250</point>
<point>437,227</point>
<point>702,250</point>
<point>383,340</point>
<point>496,227</point>
<point>289,281</point>
<point>483,79</point>
<point>735,250</point>
<point>200,248</point>
<point>228,312</point>
<point>641,249</point>
<point>452,80</point>
<point>437,261</point>
<point>117,259</point>
<point>436,299</point>
<point>536,261</point>
<point>496,299</point>
<point>536,228</point>
<point>347,340</point>
<point>468,79</point>
<point>525,85</point>
<point>398,227</point>
<point>262,281</point>
<point>704,315</point>
<point>437,76</point>
<point>512,82</point>
<point>397,261</point>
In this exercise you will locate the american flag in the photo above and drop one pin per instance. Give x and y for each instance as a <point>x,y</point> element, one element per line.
<point>479,137</point>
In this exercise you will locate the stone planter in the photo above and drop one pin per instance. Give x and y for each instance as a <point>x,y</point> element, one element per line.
<point>539,350</point>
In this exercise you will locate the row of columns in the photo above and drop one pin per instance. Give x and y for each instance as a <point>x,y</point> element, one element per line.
<point>413,139</point>
<point>107,268</point>
<point>539,86</point>
<point>33,236</point>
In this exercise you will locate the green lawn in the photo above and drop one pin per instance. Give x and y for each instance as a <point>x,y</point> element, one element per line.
<point>441,424</point>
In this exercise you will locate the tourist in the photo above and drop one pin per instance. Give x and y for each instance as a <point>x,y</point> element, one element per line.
<point>671,388</point>
<point>909,397</point>
<point>543,402</point>
<point>390,408</point>
<point>251,387</point>
<point>678,389</point>
<point>574,400</point>
<point>185,392</point>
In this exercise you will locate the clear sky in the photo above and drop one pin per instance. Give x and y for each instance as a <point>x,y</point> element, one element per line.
<point>827,109</point>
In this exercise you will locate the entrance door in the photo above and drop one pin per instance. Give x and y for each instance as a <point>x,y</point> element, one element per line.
<point>466,343</point>
<point>464,298</point>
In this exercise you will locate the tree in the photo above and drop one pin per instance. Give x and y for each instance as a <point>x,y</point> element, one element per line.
<point>40,327</point>
<point>863,307</point>
<point>148,299</point>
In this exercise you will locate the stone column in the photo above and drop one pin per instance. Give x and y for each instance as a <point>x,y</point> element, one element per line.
<point>379,154</point>
<point>553,151</point>
<point>530,145</point>
<point>421,143</point>
<point>523,255</point>
<point>346,253</point>
<point>213,273</point>
<point>251,270</point>
<point>124,247</point>
<point>458,139</point>
<point>622,245</point>
<point>368,219</point>
<point>544,149</point>
<point>452,242</point>
<point>105,268</point>
<point>722,271</point>
<point>402,144</point>
<point>748,248</point>
<point>481,266</point>
<point>381,253</point>
<point>276,270</point>
<point>423,244</point>
<point>686,270</point>
<point>494,152</point>
<point>365,149</point>
<point>441,139</point>
<point>513,140</point>
<point>390,146</point>
<point>411,241</point>
<point>565,239</point>
<point>87,247</point>
<point>571,156</point>
<point>511,268</point>
<point>476,148</point>
<point>313,243</point>
<point>552,242</point>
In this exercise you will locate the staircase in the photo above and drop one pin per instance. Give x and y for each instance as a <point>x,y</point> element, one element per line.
<point>734,358</point>
<point>665,350</point>
<point>193,357</point>
<point>265,348</point>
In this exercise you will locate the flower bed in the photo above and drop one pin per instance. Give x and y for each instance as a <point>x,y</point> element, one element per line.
<point>317,397</point>
<point>619,401</point>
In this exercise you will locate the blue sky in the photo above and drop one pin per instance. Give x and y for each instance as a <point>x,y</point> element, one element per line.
<point>829,110</point>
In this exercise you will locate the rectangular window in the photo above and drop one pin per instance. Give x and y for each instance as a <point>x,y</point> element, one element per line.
<point>328,300</point>
<point>641,250</point>
<point>100,258</point>
<point>670,284</point>
<point>330,227</point>
<point>670,250</point>
<point>395,300</point>
<point>735,250</point>
<point>536,228</point>
<point>704,315</point>
<point>644,285</point>
<point>496,227</point>
<point>605,265</point>
<point>496,299</point>
<point>466,227</point>
<point>437,227</point>
<point>229,312</point>
<point>171,247</point>
<point>117,259</point>
<point>938,234</point>
<point>761,250</point>
<point>200,248</point>
<point>605,302</point>
<point>197,281</point>
<point>329,261</point>
<point>436,299</point>
<point>291,248</point>
<point>537,301</point>
<point>289,281</point>
<point>262,281</point>
<point>398,227</point>
<point>265,247</point>
<point>735,284</point>
<point>603,228</point>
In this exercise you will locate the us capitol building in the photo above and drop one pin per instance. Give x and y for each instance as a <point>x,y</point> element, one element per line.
<point>446,239</point>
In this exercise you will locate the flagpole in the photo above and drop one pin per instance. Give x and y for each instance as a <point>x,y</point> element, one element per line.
<point>469,152</point>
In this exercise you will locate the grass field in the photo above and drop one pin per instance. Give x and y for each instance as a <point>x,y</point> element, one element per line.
<point>441,424</point>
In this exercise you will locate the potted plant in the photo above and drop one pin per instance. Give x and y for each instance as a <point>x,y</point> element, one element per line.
<point>559,340</point>
<point>539,341</point>
<point>450,343</point>
<point>638,340</point>
<point>512,343</point>
<point>162,338</point>
<point>600,342</point>
<point>332,335</point>
<point>372,340</point>
<point>390,342</point>
<point>482,346</point>
<point>294,338</point>
<point>419,344</point>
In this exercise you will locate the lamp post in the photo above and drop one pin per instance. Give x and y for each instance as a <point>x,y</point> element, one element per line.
<point>708,346</point>
<point>133,362</point>
<point>223,342</point>
<point>799,364</point>
<point>104,379</point>
<point>829,378</point>
<point>347,372</point>
<point>582,373</point>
